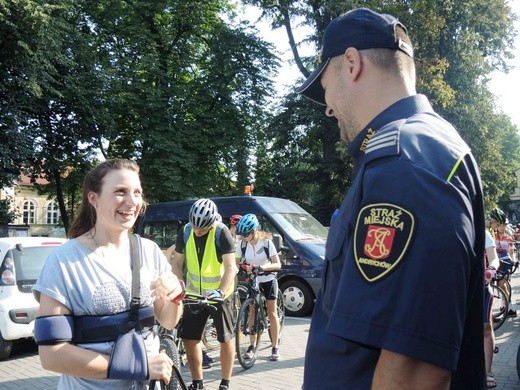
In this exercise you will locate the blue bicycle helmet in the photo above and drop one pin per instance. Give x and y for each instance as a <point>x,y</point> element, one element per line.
<point>247,224</point>
<point>203,213</point>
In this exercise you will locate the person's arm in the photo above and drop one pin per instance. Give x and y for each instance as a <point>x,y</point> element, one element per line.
<point>178,265</point>
<point>492,256</point>
<point>230,271</point>
<point>399,372</point>
<point>169,292</point>
<point>169,253</point>
<point>511,248</point>
<point>66,358</point>
<point>275,263</point>
<point>238,252</point>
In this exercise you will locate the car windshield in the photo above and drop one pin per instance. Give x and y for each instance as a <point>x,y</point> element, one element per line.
<point>301,226</point>
<point>29,261</point>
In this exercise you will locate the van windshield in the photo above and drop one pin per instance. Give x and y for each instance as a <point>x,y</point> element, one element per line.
<point>301,226</point>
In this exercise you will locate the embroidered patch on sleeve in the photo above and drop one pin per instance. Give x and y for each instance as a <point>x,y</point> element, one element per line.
<point>382,236</point>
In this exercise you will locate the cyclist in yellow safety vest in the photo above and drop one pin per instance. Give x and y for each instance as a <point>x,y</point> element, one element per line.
<point>206,249</point>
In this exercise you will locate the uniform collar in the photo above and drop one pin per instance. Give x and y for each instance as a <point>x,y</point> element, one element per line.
<point>404,108</point>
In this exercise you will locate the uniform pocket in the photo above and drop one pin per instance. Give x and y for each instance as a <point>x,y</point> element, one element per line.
<point>334,261</point>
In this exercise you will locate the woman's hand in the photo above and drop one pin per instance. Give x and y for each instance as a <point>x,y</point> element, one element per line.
<point>250,268</point>
<point>167,286</point>
<point>160,367</point>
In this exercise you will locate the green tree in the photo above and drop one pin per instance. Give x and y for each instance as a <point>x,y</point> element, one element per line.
<point>179,86</point>
<point>7,214</point>
<point>184,89</point>
<point>457,44</point>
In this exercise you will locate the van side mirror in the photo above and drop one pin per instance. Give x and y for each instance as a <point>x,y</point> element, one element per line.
<point>278,242</point>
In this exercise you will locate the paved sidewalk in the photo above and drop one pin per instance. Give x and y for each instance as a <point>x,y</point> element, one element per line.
<point>23,370</point>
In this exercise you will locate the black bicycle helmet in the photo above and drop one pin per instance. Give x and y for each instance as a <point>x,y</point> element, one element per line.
<point>498,215</point>
<point>203,213</point>
<point>247,224</point>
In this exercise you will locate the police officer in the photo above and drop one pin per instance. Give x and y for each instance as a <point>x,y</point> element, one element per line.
<point>401,298</point>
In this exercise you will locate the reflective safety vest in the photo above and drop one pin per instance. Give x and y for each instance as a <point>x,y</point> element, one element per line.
<point>207,275</point>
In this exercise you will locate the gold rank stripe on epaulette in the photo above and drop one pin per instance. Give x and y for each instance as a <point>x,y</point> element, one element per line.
<point>382,141</point>
<point>456,166</point>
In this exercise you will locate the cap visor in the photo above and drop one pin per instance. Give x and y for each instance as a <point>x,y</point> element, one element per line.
<point>312,88</point>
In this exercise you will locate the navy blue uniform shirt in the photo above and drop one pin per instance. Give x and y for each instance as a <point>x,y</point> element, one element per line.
<point>404,261</point>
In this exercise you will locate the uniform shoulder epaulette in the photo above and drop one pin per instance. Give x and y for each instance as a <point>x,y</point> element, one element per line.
<point>384,143</point>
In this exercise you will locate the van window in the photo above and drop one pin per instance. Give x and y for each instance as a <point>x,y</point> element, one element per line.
<point>163,234</point>
<point>266,225</point>
<point>301,226</point>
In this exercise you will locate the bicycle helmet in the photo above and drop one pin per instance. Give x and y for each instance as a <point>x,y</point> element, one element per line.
<point>247,224</point>
<point>234,219</point>
<point>498,215</point>
<point>203,213</point>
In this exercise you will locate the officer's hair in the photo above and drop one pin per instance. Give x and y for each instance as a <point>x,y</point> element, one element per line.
<point>394,62</point>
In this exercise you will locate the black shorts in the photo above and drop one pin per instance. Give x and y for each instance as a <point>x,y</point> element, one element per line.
<point>506,265</point>
<point>194,319</point>
<point>270,289</point>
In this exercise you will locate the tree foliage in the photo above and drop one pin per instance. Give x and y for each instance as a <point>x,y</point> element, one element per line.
<point>184,88</point>
<point>457,44</point>
<point>169,83</point>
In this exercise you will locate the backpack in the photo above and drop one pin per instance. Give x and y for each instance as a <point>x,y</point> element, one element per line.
<point>218,229</point>
<point>243,247</point>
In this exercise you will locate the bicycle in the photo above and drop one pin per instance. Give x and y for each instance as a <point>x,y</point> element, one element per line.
<point>172,344</point>
<point>253,320</point>
<point>501,300</point>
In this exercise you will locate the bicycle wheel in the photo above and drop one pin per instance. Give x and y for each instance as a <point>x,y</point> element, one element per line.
<point>247,333</point>
<point>168,346</point>
<point>209,337</point>
<point>243,293</point>
<point>500,307</point>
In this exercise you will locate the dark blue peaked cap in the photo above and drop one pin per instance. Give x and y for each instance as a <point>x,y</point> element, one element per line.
<point>360,28</point>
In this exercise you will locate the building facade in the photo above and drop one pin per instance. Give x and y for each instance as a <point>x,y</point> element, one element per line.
<point>35,214</point>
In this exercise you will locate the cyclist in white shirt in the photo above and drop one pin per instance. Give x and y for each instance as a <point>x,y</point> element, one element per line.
<point>256,249</point>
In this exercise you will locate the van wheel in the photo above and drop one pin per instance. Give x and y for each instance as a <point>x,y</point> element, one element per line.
<point>297,297</point>
<point>5,347</point>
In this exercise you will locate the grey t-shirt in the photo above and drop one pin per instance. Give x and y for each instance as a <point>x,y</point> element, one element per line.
<point>89,284</point>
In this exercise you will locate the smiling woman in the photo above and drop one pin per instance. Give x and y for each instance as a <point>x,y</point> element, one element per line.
<point>87,284</point>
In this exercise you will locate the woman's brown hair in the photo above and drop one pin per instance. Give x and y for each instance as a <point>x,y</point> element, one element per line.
<point>93,181</point>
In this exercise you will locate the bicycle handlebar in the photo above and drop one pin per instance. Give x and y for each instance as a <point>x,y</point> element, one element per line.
<point>499,275</point>
<point>201,300</point>
<point>255,269</point>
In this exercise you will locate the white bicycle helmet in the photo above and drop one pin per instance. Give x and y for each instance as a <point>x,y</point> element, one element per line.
<point>203,213</point>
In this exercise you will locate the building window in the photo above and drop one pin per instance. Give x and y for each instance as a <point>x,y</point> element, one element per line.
<point>29,212</point>
<point>53,213</point>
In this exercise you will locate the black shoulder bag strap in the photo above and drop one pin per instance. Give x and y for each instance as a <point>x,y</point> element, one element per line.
<point>135,254</point>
